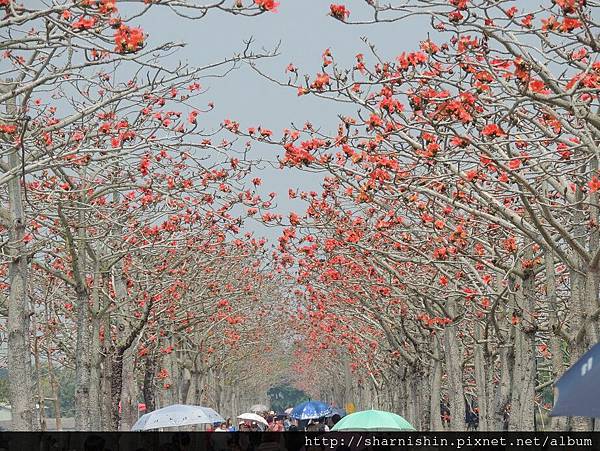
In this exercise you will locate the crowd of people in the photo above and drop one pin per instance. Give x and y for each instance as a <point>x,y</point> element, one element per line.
<point>277,423</point>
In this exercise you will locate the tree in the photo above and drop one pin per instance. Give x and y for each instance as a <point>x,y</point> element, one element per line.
<point>464,190</point>
<point>106,104</point>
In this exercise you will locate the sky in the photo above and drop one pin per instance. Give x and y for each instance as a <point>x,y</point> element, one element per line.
<point>303,30</point>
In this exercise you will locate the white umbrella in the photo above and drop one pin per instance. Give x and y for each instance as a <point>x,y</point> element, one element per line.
<point>253,417</point>
<point>288,410</point>
<point>213,415</point>
<point>176,415</point>
<point>259,408</point>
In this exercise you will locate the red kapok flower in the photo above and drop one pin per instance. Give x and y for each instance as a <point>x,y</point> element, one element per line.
<point>128,40</point>
<point>267,5</point>
<point>340,12</point>
<point>493,130</point>
<point>594,184</point>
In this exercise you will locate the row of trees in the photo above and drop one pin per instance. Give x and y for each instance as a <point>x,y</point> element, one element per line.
<point>122,255</point>
<point>453,254</point>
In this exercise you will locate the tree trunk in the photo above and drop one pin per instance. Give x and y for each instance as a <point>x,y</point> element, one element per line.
<point>148,387</point>
<point>453,352</point>
<point>522,417</point>
<point>39,395</point>
<point>82,355</point>
<point>116,385</point>
<point>54,385</point>
<point>82,364</point>
<point>584,292</point>
<point>503,389</point>
<point>555,341</point>
<point>435,423</point>
<point>20,383</point>
<point>482,363</point>
<point>129,398</point>
<point>96,357</point>
<point>105,379</point>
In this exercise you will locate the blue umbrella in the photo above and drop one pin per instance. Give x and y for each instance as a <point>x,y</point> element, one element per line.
<point>577,393</point>
<point>310,410</point>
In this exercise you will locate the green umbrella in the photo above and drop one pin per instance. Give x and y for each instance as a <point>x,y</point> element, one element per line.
<point>373,420</point>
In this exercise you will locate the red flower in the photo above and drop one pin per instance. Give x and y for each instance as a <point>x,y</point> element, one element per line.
<point>514,164</point>
<point>569,6</point>
<point>320,82</point>
<point>339,11</point>
<point>460,4</point>
<point>128,40</point>
<point>265,133</point>
<point>570,24</point>
<point>375,121</point>
<point>8,128</point>
<point>84,23</point>
<point>459,141</point>
<point>510,244</point>
<point>294,219</point>
<point>455,16</point>
<point>512,11</point>
<point>108,6</point>
<point>145,166</point>
<point>594,184</point>
<point>526,21</point>
<point>550,23</point>
<point>537,86</point>
<point>267,5</point>
<point>493,130</point>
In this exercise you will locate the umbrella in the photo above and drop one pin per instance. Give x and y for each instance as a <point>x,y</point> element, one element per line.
<point>176,415</point>
<point>253,417</point>
<point>310,410</point>
<point>213,415</point>
<point>577,393</point>
<point>373,420</point>
<point>288,411</point>
<point>259,408</point>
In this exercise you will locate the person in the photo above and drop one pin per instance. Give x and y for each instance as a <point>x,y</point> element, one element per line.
<point>278,426</point>
<point>335,419</point>
<point>471,417</point>
<point>312,426</point>
<point>445,412</point>
<point>229,425</point>
<point>506,417</point>
<point>322,425</point>
<point>270,422</point>
<point>221,428</point>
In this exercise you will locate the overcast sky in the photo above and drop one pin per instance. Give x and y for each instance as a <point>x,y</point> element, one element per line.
<point>303,30</point>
